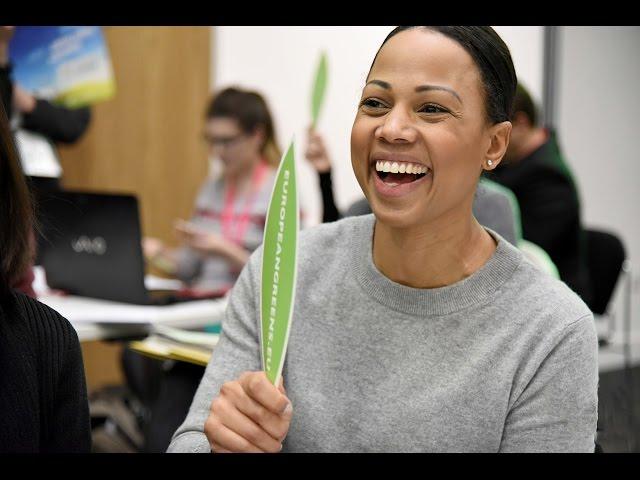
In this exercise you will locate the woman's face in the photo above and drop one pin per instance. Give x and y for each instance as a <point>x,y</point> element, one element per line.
<point>422,111</point>
<point>236,149</point>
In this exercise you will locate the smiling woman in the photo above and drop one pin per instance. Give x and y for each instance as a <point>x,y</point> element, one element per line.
<point>415,328</point>
<point>431,116</point>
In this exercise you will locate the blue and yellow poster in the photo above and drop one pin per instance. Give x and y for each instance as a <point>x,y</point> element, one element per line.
<point>67,65</point>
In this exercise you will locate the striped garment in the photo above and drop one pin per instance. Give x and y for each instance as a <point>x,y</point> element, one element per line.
<point>215,272</point>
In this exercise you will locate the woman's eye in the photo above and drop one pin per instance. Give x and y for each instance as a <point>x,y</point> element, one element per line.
<point>372,103</point>
<point>430,108</point>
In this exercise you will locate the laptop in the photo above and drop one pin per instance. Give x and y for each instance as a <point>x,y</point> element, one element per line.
<point>91,247</point>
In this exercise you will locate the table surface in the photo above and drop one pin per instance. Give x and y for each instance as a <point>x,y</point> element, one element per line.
<point>96,319</point>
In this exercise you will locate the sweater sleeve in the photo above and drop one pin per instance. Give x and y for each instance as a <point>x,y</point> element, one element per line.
<point>70,424</point>
<point>330,212</point>
<point>65,425</point>
<point>188,264</point>
<point>237,351</point>
<point>550,210</point>
<point>57,123</point>
<point>557,410</point>
<point>505,220</point>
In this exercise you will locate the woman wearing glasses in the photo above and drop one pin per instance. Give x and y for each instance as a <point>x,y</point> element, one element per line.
<point>227,225</point>
<point>230,210</point>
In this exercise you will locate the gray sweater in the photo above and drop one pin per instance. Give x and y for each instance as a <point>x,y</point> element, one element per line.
<point>504,360</point>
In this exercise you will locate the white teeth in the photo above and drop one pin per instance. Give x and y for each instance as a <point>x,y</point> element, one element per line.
<point>401,167</point>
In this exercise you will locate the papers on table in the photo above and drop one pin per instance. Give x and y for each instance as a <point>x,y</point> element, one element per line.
<point>37,155</point>
<point>152,282</point>
<point>175,344</point>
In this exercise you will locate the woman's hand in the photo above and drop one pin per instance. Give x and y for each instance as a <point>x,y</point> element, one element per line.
<point>249,415</point>
<point>316,152</point>
<point>207,243</point>
<point>152,247</point>
<point>157,253</point>
<point>198,239</point>
<point>23,100</point>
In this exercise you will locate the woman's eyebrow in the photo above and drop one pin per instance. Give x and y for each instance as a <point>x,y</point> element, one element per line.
<point>420,88</point>
<point>380,83</point>
<point>425,88</point>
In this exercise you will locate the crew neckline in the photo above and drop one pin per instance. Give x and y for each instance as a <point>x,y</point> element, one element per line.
<point>474,289</point>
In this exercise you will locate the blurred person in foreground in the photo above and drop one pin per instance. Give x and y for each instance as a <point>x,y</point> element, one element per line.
<point>43,394</point>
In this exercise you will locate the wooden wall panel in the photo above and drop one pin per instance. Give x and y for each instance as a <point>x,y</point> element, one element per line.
<point>147,140</point>
<point>102,364</point>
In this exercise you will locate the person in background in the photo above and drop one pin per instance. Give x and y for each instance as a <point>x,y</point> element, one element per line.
<point>52,123</point>
<point>230,209</point>
<point>227,225</point>
<point>43,395</point>
<point>535,169</point>
<point>318,156</point>
<point>414,329</point>
<point>494,206</point>
<point>55,123</point>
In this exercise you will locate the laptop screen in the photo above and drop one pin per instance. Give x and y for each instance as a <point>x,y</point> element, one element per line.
<point>92,245</point>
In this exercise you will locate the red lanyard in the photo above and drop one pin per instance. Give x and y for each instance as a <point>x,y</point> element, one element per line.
<point>241,221</point>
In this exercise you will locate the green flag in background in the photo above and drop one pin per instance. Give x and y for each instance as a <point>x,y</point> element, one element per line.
<point>319,88</point>
<point>279,262</point>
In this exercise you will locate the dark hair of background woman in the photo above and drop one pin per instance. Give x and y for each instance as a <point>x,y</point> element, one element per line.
<point>250,110</point>
<point>16,214</point>
<point>524,103</point>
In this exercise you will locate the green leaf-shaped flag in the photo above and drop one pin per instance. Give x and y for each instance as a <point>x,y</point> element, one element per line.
<point>319,88</point>
<point>279,263</point>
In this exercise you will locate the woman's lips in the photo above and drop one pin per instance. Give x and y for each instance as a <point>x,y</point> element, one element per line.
<point>399,189</point>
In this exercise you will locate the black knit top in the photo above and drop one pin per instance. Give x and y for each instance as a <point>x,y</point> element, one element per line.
<point>43,394</point>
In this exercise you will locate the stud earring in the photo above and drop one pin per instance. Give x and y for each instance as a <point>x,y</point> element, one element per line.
<point>489,162</point>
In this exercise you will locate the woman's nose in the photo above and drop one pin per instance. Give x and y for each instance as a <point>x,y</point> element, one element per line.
<point>397,127</point>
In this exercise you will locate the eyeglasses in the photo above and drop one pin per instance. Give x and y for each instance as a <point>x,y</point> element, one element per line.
<point>221,142</point>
